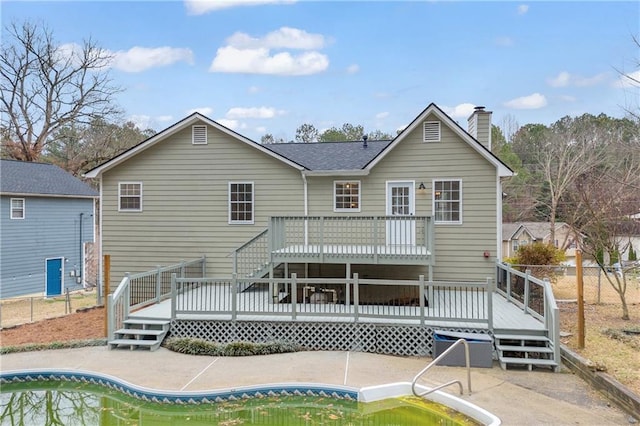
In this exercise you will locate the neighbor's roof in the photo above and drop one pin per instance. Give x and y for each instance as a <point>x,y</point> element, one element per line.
<point>28,178</point>
<point>330,155</point>
<point>538,230</point>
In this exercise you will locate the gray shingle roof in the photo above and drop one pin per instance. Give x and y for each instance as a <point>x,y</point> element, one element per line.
<point>319,156</point>
<point>21,177</point>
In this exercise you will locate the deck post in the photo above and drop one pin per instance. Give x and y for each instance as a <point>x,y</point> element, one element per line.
<point>421,295</point>
<point>110,318</point>
<point>375,244</point>
<point>489,292</point>
<point>204,266</point>
<point>321,244</point>
<point>158,282</point>
<point>347,295</point>
<point>356,297</point>
<point>294,296</point>
<point>526,290</point>
<point>174,294</point>
<point>234,296</point>
<point>508,283</point>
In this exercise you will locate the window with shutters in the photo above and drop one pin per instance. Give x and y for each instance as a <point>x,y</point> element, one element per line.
<point>199,135</point>
<point>241,202</point>
<point>130,197</point>
<point>431,131</point>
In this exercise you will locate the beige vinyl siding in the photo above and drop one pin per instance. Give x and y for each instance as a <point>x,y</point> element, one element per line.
<point>185,199</point>
<point>459,249</point>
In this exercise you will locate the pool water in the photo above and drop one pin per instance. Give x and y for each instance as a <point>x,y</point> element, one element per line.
<point>72,403</point>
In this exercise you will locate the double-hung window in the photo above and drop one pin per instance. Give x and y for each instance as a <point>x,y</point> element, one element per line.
<point>447,201</point>
<point>130,197</point>
<point>241,202</point>
<point>346,196</point>
<point>17,208</point>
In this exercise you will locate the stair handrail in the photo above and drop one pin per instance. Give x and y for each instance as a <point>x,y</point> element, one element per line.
<point>452,382</point>
<point>238,251</point>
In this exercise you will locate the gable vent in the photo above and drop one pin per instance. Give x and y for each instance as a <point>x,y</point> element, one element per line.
<point>431,131</point>
<point>199,135</point>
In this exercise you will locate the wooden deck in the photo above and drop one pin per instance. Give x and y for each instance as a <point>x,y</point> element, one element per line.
<point>506,315</point>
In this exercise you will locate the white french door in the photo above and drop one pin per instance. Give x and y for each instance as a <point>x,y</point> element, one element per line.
<point>401,203</point>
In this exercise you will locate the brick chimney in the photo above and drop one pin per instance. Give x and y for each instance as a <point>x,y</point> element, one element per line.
<point>480,126</point>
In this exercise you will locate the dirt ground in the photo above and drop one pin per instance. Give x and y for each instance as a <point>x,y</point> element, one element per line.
<point>86,324</point>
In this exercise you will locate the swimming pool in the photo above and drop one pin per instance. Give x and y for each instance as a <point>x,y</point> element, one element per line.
<point>110,396</point>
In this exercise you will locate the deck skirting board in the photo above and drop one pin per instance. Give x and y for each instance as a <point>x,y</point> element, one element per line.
<point>330,336</point>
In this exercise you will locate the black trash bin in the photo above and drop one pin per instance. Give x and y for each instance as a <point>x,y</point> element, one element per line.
<point>480,348</point>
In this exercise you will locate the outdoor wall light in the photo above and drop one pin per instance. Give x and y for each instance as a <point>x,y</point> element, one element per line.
<point>422,187</point>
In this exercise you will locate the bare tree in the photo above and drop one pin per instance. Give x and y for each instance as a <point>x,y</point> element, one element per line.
<point>45,86</point>
<point>307,133</point>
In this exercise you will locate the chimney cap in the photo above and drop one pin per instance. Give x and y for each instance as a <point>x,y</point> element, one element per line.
<point>479,108</point>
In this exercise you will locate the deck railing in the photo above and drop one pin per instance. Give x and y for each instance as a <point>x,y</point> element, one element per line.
<point>353,299</point>
<point>365,237</point>
<point>534,296</point>
<point>138,290</point>
<point>253,257</point>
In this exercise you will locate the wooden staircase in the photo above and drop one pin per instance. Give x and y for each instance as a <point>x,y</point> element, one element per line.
<point>525,351</point>
<point>140,333</point>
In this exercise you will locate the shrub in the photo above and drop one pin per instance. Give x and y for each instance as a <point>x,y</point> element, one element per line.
<point>192,346</point>
<point>55,345</point>
<point>541,254</point>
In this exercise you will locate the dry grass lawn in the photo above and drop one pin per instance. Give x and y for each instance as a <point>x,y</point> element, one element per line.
<point>24,310</point>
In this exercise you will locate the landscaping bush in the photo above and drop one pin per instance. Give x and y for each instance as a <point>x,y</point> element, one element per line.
<point>541,254</point>
<point>55,345</point>
<point>191,346</point>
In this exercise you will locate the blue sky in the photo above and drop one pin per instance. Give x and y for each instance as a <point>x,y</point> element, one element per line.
<point>269,66</point>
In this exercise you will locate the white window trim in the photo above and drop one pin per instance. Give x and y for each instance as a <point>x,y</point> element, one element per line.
<point>424,136</point>
<point>193,134</point>
<point>120,196</point>
<point>433,201</point>
<point>253,203</point>
<point>24,209</point>
<point>357,210</point>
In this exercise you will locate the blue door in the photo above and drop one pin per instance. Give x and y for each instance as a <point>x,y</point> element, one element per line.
<point>54,277</point>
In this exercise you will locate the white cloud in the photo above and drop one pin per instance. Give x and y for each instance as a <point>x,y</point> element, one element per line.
<point>382,115</point>
<point>631,79</point>
<point>522,9</point>
<point>139,59</point>
<point>246,54</point>
<point>141,121</point>
<point>231,124</point>
<point>254,112</point>
<point>565,79</point>
<point>533,101</point>
<point>459,111</point>
<point>164,118</point>
<point>567,98</point>
<point>504,41</point>
<point>260,61</point>
<point>561,80</point>
<point>206,111</point>
<point>283,38</point>
<point>261,129</point>
<point>199,7</point>
<point>353,68</point>
<point>254,89</point>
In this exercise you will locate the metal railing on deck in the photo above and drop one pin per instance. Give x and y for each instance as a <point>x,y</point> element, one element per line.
<point>146,288</point>
<point>352,299</point>
<point>534,296</point>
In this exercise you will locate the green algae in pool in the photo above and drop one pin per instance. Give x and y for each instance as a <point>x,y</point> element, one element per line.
<point>67,403</point>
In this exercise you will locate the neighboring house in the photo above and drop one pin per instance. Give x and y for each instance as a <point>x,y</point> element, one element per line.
<point>46,218</point>
<point>518,234</point>
<point>427,202</point>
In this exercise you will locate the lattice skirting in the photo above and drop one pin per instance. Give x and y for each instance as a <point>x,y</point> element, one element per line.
<point>375,338</point>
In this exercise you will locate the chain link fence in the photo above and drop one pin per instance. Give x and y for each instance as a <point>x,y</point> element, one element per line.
<point>24,310</point>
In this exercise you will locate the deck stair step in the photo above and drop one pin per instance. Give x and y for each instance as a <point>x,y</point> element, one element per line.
<point>524,350</point>
<point>140,333</point>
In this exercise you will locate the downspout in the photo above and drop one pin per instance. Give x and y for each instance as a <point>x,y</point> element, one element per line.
<point>306,208</point>
<point>80,262</point>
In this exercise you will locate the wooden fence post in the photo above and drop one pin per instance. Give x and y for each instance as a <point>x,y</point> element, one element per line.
<point>580,283</point>
<point>106,264</point>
